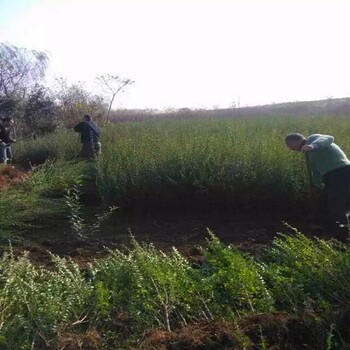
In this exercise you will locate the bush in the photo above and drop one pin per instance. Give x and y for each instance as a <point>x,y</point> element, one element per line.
<point>36,302</point>
<point>62,145</point>
<point>123,295</point>
<point>308,274</point>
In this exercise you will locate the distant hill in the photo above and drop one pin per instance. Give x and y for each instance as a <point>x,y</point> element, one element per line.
<point>331,106</point>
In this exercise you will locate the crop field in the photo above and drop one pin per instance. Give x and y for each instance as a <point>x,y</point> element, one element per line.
<point>183,234</point>
<point>235,162</point>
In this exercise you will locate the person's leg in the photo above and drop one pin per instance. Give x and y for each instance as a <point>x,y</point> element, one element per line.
<point>317,210</point>
<point>337,199</point>
<point>3,155</point>
<point>9,154</point>
<point>97,149</point>
<point>86,150</point>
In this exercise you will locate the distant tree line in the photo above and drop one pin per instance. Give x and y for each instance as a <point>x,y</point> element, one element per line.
<point>35,107</point>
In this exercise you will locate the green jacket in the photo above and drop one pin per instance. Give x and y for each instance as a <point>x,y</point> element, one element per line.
<point>326,157</point>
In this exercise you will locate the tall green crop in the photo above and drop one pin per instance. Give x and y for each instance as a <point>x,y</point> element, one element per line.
<point>237,163</point>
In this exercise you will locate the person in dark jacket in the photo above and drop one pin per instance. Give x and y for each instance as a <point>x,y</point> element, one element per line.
<point>89,136</point>
<point>330,170</point>
<point>6,140</point>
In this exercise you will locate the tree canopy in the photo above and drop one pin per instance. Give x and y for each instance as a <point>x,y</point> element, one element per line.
<point>20,69</point>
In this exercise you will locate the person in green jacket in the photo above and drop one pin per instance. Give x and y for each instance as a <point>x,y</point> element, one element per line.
<point>330,170</point>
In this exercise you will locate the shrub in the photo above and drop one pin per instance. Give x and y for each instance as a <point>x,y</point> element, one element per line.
<point>35,302</point>
<point>308,274</point>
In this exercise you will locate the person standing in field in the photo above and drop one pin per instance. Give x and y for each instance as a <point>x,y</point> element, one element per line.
<point>90,137</point>
<point>6,140</point>
<point>330,170</point>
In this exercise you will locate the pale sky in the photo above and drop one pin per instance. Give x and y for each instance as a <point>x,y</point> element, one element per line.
<point>196,54</point>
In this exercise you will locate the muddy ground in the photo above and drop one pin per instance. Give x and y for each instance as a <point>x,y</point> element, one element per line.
<point>185,232</point>
<point>248,231</point>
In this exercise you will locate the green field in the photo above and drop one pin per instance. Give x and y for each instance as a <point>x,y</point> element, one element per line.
<point>293,294</point>
<point>239,163</point>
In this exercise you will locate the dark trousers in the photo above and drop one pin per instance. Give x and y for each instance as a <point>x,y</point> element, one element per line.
<point>337,196</point>
<point>90,149</point>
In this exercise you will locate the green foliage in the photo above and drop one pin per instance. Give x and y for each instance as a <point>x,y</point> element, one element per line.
<point>35,302</point>
<point>40,110</point>
<point>72,198</point>
<point>20,212</point>
<point>234,280</point>
<point>79,226</point>
<point>162,290</point>
<point>143,288</point>
<point>31,204</point>
<point>61,145</point>
<point>308,274</point>
<point>329,338</point>
<point>234,163</point>
<point>10,105</point>
<point>240,163</point>
<point>53,178</point>
<point>153,288</point>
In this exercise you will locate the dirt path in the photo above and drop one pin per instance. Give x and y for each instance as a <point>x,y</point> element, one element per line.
<point>249,232</point>
<point>186,233</point>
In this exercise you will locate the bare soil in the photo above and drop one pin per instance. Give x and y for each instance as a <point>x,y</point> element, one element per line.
<point>248,231</point>
<point>10,175</point>
<point>185,232</point>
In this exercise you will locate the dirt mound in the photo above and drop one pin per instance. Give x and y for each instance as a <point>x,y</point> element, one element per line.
<point>10,175</point>
<point>200,336</point>
<point>270,331</point>
<point>90,340</point>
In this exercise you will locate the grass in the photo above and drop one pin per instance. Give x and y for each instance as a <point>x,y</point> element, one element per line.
<point>299,285</point>
<point>309,274</point>
<point>35,202</point>
<point>209,163</point>
<point>63,144</point>
<point>142,288</point>
<point>181,161</point>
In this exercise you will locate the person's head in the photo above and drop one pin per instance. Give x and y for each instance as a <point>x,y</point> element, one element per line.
<point>87,118</point>
<point>7,121</point>
<point>295,141</point>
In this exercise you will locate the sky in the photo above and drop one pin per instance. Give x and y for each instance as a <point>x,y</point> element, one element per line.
<point>195,54</point>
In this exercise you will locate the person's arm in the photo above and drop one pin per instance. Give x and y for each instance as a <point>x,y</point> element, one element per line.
<point>314,177</point>
<point>10,133</point>
<point>320,141</point>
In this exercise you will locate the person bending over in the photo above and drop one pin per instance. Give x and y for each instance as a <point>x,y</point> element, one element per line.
<point>89,136</point>
<point>330,170</point>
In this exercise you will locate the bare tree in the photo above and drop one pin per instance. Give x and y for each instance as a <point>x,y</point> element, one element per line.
<point>74,101</point>
<point>20,69</point>
<point>112,85</point>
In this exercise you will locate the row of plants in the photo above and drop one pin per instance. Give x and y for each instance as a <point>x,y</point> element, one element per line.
<point>111,303</point>
<point>237,163</point>
<point>37,199</point>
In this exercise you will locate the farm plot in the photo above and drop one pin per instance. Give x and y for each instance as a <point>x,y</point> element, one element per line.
<point>173,182</point>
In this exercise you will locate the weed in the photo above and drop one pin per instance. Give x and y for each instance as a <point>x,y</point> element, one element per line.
<point>78,224</point>
<point>141,288</point>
